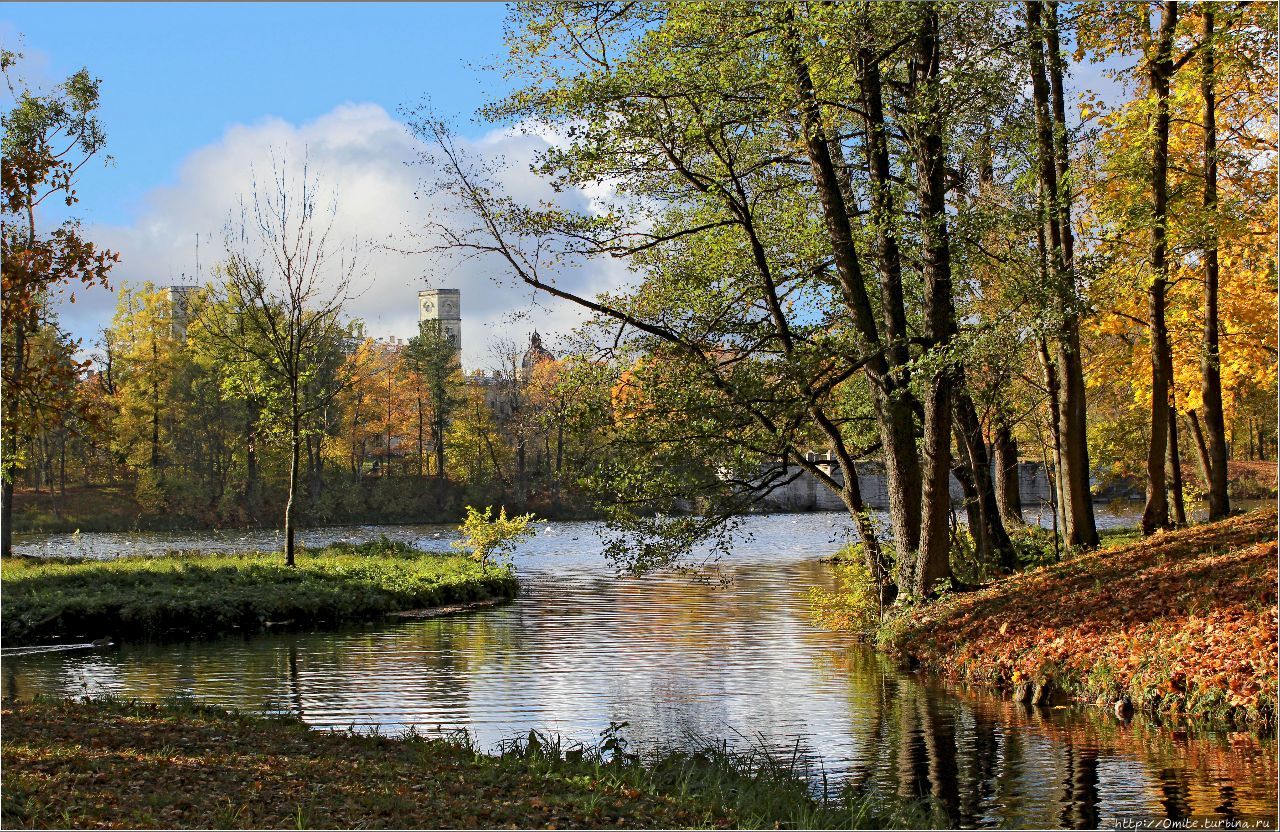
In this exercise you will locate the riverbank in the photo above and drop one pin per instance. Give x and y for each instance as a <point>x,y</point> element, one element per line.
<point>408,501</point>
<point>1181,624</point>
<point>112,763</point>
<point>181,596</point>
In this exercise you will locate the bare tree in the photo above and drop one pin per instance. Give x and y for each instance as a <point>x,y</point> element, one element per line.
<point>513,402</point>
<point>283,290</point>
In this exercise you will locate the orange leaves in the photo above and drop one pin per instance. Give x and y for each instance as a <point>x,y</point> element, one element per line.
<point>1179,619</point>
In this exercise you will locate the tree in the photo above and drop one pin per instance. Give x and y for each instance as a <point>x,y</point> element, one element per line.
<point>728,141</point>
<point>432,357</point>
<point>47,140</point>
<point>1067,374</point>
<point>286,283</point>
<point>1215,449</point>
<point>487,537</point>
<point>1242,214</point>
<point>145,364</point>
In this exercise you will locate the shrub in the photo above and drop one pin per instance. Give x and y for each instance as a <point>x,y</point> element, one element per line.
<point>1034,546</point>
<point>855,603</point>
<point>486,536</point>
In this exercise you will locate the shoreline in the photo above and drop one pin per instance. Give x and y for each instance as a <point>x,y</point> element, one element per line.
<point>1181,625</point>
<point>83,763</point>
<point>49,602</point>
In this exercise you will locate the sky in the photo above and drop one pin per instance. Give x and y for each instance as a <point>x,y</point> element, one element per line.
<point>197,98</point>
<point>195,95</point>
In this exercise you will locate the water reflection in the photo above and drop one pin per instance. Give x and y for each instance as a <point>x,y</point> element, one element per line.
<point>676,658</point>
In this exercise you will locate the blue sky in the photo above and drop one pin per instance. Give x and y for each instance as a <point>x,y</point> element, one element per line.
<point>197,96</point>
<point>176,75</point>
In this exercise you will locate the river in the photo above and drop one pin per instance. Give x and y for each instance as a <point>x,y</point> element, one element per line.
<point>728,655</point>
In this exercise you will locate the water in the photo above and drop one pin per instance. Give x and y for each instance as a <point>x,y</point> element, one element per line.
<point>678,657</point>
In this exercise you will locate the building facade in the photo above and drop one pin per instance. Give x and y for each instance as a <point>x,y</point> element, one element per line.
<point>445,306</point>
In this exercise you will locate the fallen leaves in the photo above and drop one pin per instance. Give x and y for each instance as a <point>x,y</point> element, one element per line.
<point>1181,622</point>
<point>153,767</point>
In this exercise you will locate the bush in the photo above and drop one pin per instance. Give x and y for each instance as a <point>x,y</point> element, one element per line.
<point>486,536</point>
<point>855,603</point>
<point>966,563</point>
<point>1034,546</point>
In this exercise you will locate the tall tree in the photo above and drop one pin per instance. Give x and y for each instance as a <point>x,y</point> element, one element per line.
<point>432,356</point>
<point>926,137</point>
<point>1053,164</point>
<point>288,281</point>
<point>1215,429</point>
<point>1160,67</point>
<point>145,366</point>
<point>47,140</point>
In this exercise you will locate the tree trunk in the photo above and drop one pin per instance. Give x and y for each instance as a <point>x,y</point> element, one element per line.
<point>251,464</point>
<point>295,429</point>
<point>1173,461</point>
<point>6,499</point>
<point>155,429</point>
<point>934,563</point>
<point>1081,530</point>
<point>994,532</point>
<point>962,469</point>
<point>1210,366</point>
<point>438,429</point>
<point>1053,173</point>
<point>1055,440</point>
<point>1008,486</point>
<point>1155,514</point>
<point>422,448</point>
<point>894,401</point>
<point>10,457</point>
<point>1202,450</point>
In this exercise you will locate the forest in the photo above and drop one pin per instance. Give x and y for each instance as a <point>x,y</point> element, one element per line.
<point>909,234</point>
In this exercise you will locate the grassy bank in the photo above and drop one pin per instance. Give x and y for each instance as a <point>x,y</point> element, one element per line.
<point>192,595</point>
<point>120,764</point>
<point>1182,624</point>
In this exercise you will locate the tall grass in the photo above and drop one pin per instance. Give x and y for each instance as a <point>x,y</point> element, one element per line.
<point>758,787</point>
<point>185,595</point>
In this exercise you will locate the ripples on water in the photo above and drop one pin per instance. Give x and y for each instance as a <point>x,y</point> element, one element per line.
<point>678,658</point>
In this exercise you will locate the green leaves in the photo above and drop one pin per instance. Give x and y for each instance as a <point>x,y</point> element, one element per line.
<point>487,537</point>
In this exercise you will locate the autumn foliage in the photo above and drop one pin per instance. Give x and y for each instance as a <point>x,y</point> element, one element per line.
<point>1182,622</point>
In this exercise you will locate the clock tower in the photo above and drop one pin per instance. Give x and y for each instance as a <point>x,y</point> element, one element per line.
<point>445,306</point>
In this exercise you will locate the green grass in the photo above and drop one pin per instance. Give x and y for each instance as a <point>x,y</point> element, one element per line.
<point>192,595</point>
<point>117,763</point>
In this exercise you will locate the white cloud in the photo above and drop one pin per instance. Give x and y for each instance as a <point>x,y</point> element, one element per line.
<point>364,154</point>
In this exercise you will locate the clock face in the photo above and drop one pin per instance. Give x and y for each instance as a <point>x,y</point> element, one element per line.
<point>448,307</point>
<point>428,306</point>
